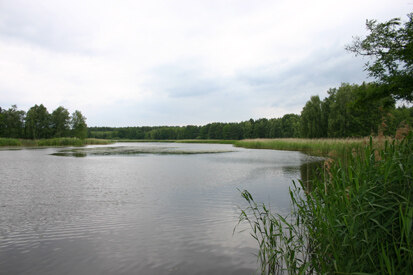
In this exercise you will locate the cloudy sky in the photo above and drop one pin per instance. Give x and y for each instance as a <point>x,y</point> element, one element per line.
<point>134,63</point>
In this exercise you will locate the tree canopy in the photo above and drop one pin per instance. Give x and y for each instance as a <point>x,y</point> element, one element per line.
<point>38,123</point>
<point>79,126</point>
<point>390,46</point>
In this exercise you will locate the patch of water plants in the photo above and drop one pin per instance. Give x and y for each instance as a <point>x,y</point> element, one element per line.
<point>132,150</point>
<point>356,217</point>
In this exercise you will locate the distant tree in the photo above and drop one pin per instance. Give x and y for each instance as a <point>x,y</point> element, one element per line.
<point>232,131</point>
<point>203,133</point>
<point>38,122</point>
<point>78,125</point>
<point>260,128</point>
<point>312,124</point>
<point>290,125</point>
<point>191,132</point>
<point>215,130</point>
<point>390,45</point>
<point>60,122</point>
<point>368,112</point>
<point>248,127</point>
<point>2,122</point>
<point>351,115</point>
<point>275,130</point>
<point>12,122</point>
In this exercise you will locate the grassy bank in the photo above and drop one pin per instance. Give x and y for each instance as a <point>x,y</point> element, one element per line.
<point>12,142</point>
<point>356,219</point>
<point>317,147</point>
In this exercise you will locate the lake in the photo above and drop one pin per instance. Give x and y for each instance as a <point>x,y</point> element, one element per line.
<point>136,208</point>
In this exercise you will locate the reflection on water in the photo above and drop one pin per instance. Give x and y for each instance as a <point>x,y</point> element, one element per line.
<point>138,214</point>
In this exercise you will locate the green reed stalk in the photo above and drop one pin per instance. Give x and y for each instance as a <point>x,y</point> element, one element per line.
<point>356,219</point>
<point>64,141</point>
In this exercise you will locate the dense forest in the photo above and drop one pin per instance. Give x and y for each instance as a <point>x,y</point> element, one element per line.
<point>348,111</point>
<point>38,123</point>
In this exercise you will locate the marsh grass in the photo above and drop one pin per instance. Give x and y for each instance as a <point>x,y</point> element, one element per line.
<point>356,219</point>
<point>318,147</point>
<point>11,142</point>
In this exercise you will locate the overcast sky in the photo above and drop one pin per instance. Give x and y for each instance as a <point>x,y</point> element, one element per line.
<point>135,63</point>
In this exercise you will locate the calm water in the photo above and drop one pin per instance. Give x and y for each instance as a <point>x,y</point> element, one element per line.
<point>136,214</point>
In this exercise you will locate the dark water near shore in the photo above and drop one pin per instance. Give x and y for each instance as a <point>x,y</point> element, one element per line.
<point>140,213</point>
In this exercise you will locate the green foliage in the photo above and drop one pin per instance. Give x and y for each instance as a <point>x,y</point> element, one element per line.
<point>10,142</point>
<point>357,218</point>
<point>319,147</point>
<point>78,125</point>
<point>348,111</point>
<point>283,243</point>
<point>290,125</point>
<point>312,124</point>
<point>12,122</point>
<point>60,122</point>
<point>60,142</point>
<point>287,126</point>
<point>63,141</point>
<point>390,45</point>
<point>37,122</point>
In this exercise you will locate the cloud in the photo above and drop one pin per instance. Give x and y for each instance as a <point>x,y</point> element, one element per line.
<point>181,62</point>
<point>184,79</point>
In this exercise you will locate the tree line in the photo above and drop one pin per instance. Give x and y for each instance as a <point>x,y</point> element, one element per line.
<point>347,111</point>
<point>287,126</point>
<point>38,123</point>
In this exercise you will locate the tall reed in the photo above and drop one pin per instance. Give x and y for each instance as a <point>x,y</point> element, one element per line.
<point>356,219</point>
<point>64,141</point>
<point>10,142</point>
<point>319,147</point>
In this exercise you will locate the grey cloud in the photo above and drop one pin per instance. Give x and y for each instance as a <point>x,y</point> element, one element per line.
<point>184,79</point>
<point>36,25</point>
<point>295,83</point>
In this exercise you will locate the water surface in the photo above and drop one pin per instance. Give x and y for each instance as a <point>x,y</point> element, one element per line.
<point>139,213</point>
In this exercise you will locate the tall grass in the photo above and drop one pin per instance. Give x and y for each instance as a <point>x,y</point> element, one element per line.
<point>60,142</point>
<point>12,142</point>
<point>356,219</point>
<point>318,147</point>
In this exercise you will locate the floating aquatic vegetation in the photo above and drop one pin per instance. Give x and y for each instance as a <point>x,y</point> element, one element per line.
<point>132,150</point>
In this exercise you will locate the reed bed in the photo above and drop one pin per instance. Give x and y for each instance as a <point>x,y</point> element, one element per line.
<point>356,219</point>
<point>318,147</point>
<point>12,142</point>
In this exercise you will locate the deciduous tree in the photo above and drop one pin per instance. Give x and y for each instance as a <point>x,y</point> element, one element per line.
<point>78,124</point>
<point>390,47</point>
